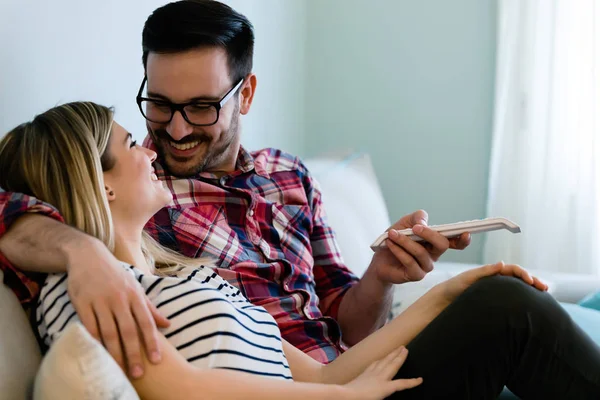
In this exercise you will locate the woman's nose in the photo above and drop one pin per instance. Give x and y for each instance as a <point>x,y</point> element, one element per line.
<point>151,154</point>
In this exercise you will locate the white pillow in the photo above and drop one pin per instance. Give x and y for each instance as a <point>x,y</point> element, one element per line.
<point>78,367</point>
<point>354,205</point>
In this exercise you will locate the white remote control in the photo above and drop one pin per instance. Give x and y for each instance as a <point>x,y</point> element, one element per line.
<point>456,229</point>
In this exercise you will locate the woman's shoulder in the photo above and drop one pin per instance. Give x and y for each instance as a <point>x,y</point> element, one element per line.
<point>208,276</point>
<point>184,279</point>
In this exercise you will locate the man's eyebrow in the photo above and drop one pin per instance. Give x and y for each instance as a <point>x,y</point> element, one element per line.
<point>129,136</point>
<point>192,100</point>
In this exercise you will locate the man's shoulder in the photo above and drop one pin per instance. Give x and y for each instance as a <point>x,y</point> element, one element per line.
<point>273,160</point>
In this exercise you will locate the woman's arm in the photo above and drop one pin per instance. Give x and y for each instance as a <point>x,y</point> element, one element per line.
<point>403,329</point>
<point>174,378</point>
<point>374,347</point>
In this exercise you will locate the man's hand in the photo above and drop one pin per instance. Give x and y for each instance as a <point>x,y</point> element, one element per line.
<point>405,260</point>
<point>112,305</point>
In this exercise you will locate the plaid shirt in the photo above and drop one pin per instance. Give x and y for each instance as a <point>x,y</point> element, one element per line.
<point>265,227</point>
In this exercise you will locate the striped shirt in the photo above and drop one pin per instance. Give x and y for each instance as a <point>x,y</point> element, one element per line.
<point>212,324</point>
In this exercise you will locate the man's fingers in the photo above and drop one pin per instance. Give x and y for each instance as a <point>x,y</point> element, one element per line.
<point>460,242</point>
<point>412,270</point>
<point>88,319</point>
<point>439,243</point>
<point>416,250</point>
<point>408,221</point>
<point>130,339</point>
<point>419,217</point>
<point>109,333</point>
<point>160,320</point>
<point>142,312</point>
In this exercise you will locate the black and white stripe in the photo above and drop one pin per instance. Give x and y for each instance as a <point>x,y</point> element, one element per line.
<point>212,324</point>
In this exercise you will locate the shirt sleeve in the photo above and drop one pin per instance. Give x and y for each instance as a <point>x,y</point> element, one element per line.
<point>332,277</point>
<point>12,206</point>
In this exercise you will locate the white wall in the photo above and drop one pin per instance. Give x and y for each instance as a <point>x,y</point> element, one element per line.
<point>56,51</point>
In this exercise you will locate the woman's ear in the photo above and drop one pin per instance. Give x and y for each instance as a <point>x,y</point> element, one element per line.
<point>110,193</point>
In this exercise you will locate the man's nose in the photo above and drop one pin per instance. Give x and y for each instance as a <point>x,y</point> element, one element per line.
<point>179,128</point>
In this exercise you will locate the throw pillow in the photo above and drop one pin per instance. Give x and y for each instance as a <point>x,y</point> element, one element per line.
<point>354,204</point>
<point>78,367</point>
<point>591,301</point>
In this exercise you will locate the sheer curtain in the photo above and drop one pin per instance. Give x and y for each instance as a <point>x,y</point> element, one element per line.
<point>545,167</point>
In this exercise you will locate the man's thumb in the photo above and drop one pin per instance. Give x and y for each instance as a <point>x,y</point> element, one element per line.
<point>420,217</point>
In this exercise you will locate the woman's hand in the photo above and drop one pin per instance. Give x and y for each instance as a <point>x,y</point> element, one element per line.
<point>376,382</point>
<point>454,287</point>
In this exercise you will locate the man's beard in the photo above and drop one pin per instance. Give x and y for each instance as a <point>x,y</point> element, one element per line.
<point>212,157</point>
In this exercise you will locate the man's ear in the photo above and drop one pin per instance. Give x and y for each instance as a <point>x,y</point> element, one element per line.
<point>247,94</point>
<point>110,193</point>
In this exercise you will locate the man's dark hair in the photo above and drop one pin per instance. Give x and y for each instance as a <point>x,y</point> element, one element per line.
<point>192,24</point>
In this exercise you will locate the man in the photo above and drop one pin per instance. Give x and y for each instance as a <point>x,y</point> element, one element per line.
<point>258,214</point>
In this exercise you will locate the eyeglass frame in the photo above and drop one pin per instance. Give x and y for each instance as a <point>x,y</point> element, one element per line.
<point>218,105</point>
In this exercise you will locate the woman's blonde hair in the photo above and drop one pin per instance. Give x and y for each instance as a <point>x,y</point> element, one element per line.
<point>59,158</point>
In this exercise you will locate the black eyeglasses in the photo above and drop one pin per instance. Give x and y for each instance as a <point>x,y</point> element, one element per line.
<point>198,113</point>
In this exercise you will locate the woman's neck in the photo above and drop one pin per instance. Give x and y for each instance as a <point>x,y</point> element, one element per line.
<point>128,248</point>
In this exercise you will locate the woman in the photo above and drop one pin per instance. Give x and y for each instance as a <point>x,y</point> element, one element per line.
<point>75,157</point>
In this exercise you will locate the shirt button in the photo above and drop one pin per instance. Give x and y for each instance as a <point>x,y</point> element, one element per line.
<point>251,213</point>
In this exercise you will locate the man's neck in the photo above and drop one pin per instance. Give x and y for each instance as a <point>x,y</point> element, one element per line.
<point>228,164</point>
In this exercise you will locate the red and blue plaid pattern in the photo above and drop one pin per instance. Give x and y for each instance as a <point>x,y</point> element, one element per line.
<point>265,227</point>
<point>12,206</point>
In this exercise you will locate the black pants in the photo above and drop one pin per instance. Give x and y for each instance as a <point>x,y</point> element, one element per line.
<point>503,332</point>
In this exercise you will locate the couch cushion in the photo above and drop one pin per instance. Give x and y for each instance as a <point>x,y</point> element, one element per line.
<point>19,351</point>
<point>78,367</point>
<point>354,204</point>
<point>591,301</point>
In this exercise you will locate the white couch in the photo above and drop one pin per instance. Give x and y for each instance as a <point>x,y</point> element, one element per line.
<point>356,211</point>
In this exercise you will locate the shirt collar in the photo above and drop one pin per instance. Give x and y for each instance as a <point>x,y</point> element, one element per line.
<point>245,163</point>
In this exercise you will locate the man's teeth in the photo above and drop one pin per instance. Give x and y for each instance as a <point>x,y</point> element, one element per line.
<point>153,177</point>
<point>185,146</point>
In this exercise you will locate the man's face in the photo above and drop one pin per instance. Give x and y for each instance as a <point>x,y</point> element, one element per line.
<point>196,75</point>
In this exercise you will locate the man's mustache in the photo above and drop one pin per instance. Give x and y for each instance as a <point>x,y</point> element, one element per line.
<point>162,134</point>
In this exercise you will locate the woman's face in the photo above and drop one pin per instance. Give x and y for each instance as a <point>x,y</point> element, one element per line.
<point>133,190</point>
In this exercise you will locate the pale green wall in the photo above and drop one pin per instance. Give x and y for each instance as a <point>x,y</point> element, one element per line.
<point>411,82</point>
